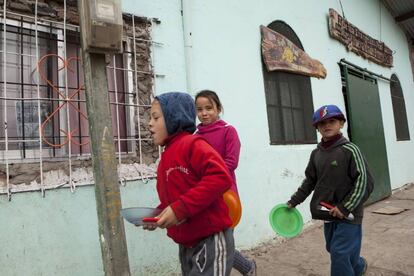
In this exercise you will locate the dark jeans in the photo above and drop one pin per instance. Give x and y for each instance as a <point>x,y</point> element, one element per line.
<point>343,242</point>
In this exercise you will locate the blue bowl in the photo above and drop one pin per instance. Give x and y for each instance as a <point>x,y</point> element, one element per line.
<point>135,215</point>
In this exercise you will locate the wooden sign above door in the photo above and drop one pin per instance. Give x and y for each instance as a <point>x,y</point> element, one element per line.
<point>357,41</point>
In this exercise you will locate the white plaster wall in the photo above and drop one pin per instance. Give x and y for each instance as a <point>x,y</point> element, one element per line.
<point>375,20</point>
<point>225,56</point>
<point>58,235</point>
<point>153,253</point>
<point>150,253</point>
<point>169,59</point>
<point>222,47</point>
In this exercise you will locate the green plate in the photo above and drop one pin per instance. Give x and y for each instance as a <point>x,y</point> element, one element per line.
<point>287,222</point>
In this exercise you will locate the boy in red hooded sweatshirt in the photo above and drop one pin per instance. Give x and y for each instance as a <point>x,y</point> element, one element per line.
<point>191,180</point>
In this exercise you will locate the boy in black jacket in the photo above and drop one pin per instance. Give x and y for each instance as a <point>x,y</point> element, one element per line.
<point>338,175</point>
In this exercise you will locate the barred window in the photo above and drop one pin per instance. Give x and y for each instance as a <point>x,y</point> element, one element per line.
<point>288,100</point>
<point>398,107</point>
<point>43,105</point>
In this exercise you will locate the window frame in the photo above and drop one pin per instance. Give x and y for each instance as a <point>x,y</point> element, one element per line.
<point>279,134</point>
<point>32,154</point>
<point>402,130</point>
<point>43,173</point>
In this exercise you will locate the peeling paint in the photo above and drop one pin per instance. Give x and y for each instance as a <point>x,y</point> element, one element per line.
<point>25,175</point>
<point>81,177</point>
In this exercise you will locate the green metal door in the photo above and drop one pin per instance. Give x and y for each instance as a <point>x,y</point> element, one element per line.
<point>366,129</point>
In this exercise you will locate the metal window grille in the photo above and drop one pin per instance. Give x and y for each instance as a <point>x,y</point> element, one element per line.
<point>42,103</point>
<point>289,100</point>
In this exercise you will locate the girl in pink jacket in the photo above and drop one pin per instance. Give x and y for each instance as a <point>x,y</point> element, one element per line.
<point>224,139</point>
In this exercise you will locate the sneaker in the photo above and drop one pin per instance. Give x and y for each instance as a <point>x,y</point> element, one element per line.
<point>365,266</point>
<point>252,271</point>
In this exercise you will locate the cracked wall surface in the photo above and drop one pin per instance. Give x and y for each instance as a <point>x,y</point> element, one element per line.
<point>26,176</point>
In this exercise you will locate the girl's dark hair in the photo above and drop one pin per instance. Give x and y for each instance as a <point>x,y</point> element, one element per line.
<point>212,96</point>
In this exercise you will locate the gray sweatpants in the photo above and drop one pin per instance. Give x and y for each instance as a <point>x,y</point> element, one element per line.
<point>212,256</point>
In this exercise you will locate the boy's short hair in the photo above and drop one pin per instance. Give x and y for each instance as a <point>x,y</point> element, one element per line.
<point>326,112</point>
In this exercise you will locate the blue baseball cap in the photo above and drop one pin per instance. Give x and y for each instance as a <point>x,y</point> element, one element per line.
<point>326,112</point>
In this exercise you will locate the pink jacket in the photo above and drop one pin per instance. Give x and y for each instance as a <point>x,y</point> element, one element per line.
<point>224,139</point>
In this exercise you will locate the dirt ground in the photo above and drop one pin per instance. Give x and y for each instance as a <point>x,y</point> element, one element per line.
<point>388,244</point>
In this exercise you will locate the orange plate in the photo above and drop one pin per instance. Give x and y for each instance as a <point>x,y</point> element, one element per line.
<point>233,203</point>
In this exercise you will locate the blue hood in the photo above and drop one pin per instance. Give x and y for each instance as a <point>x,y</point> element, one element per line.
<point>179,112</point>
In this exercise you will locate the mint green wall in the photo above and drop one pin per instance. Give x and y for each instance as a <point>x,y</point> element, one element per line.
<point>222,51</point>
<point>58,235</point>
<point>55,235</point>
<point>225,56</point>
<point>150,252</point>
<point>169,58</point>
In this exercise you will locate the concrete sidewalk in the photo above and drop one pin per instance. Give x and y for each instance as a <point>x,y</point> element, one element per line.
<point>388,244</point>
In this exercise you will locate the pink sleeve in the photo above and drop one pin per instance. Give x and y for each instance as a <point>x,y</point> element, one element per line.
<point>231,156</point>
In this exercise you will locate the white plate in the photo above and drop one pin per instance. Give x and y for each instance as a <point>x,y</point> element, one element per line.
<point>135,215</point>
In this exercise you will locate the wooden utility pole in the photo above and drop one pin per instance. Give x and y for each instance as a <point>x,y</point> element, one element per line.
<point>108,200</point>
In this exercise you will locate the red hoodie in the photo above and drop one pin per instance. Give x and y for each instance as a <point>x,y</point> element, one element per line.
<point>192,178</point>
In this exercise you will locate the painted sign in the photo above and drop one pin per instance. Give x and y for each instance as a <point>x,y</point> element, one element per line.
<point>279,53</point>
<point>357,41</point>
